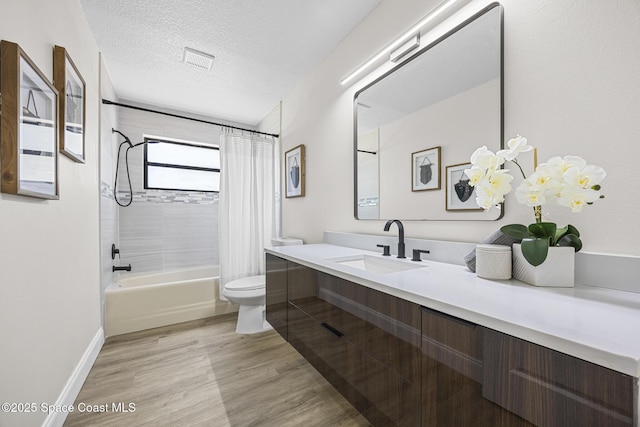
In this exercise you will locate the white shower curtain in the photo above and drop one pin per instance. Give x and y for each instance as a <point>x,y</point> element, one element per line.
<point>246,207</point>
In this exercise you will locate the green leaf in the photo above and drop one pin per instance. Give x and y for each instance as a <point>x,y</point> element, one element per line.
<point>543,229</point>
<point>535,250</point>
<point>559,233</point>
<point>571,240</point>
<point>518,231</point>
<point>573,230</point>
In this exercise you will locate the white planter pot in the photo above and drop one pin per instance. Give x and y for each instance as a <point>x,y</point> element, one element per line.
<point>556,271</point>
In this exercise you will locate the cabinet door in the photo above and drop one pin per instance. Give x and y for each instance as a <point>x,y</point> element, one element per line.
<point>452,374</point>
<point>276,293</point>
<point>550,388</point>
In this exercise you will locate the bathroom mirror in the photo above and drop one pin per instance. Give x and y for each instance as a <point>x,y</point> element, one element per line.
<point>418,124</point>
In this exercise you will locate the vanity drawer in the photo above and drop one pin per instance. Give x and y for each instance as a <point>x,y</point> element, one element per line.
<point>453,342</point>
<point>549,388</point>
<point>385,327</point>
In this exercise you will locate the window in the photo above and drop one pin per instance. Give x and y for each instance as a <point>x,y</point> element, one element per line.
<point>172,165</point>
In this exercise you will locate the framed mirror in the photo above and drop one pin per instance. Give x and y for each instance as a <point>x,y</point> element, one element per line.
<point>447,95</point>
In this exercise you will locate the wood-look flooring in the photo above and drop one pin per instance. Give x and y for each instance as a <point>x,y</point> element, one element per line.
<point>202,373</point>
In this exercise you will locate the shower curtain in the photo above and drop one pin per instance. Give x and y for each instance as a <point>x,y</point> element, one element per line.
<point>246,206</point>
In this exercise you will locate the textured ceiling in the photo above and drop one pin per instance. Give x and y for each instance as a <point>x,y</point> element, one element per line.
<point>262,49</point>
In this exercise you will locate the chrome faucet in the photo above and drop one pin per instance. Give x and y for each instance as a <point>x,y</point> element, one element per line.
<point>400,235</point>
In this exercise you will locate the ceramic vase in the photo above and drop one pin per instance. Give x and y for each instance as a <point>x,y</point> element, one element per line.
<point>556,271</point>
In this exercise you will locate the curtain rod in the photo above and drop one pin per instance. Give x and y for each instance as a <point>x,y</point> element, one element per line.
<point>148,110</point>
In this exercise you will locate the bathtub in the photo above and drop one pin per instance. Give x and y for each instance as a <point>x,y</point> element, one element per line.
<point>147,300</point>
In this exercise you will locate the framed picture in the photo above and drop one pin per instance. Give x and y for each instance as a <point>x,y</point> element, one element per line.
<point>29,127</point>
<point>71,104</point>
<point>460,195</point>
<point>425,169</point>
<point>294,171</point>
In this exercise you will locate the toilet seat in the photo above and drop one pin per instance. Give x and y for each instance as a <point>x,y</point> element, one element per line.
<point>250,283</point>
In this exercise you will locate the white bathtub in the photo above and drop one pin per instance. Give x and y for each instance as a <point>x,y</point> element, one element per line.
<point>147,300</point>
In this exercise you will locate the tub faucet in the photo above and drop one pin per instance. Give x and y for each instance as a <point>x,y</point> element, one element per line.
<point>123,268</point>
<point>400,235</point>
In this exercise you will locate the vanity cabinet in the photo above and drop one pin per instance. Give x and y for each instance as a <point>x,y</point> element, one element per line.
<point>453,374</point>
<point>402,364</point>
<point>549,388</point>
<point>366,343</point>
<point>475,376</point>
<point>276,293</point>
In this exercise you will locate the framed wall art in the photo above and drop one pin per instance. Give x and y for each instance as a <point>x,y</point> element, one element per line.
<point>71,105</point>
<point>460,194</point>
<point>425,169</point>
<point>294,171</point>
<point>28,128</point>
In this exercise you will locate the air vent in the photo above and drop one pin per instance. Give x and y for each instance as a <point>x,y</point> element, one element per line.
<point>198,59</point>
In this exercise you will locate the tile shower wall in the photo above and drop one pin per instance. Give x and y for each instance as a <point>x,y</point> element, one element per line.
<point>156,236</point>
<point>165,230</point>
<point>108,208</point>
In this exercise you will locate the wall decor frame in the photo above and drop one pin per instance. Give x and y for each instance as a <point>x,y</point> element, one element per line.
<point>294,171</point>
<point>28,126</point>
<point>71,105</point>
<point>426,169</point>
<point>460,194</point>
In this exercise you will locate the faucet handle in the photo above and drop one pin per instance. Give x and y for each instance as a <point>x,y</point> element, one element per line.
<point>416,254</point>
<point>385,250</point>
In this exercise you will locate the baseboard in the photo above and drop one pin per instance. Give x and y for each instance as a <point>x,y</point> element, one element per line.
<point>76,380</point>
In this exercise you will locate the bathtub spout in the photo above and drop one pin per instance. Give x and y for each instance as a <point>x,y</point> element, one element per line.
<point>124,268</point>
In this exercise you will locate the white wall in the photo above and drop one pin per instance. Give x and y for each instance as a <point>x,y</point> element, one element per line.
<point>572,86</point>
<point>49,250</point>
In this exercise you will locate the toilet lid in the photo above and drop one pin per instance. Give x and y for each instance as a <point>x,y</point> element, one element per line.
<point>246,283</point>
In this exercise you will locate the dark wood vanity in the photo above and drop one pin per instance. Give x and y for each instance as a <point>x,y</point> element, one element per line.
<point>402,364</point>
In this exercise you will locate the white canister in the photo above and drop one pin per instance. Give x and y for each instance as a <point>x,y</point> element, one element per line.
<point>493,262</point>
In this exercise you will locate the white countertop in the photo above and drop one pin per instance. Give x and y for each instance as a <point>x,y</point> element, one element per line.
<point>599,325</point>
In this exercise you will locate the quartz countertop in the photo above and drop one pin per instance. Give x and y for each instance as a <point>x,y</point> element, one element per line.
<point>594,324</point>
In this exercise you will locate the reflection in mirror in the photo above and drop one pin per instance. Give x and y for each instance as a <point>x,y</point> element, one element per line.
<point>448,95</point>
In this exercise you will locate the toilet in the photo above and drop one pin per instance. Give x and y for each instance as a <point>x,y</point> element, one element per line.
<point>250,294</point>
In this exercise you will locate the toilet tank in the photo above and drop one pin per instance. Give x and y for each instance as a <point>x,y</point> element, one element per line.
<point>286,241</point>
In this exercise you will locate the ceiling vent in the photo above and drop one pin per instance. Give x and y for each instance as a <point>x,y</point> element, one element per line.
<point>198,59</point>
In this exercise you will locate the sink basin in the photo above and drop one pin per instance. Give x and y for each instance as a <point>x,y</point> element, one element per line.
<point>377,264</point>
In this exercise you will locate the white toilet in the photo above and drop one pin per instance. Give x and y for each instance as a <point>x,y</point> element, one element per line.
<point>250,294</point>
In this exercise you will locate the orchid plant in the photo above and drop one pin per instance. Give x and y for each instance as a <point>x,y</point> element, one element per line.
<point>568,181</point>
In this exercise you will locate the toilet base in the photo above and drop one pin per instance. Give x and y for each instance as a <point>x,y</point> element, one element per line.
<point>251,320</point>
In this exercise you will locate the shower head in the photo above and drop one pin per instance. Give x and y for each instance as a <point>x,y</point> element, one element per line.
<point>126,138</point>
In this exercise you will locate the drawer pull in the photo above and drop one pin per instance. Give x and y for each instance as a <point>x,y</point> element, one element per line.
<point>333,330</point>
<point>448,317</point>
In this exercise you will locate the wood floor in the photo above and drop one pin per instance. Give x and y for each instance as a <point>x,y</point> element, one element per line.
<point>202,373</point>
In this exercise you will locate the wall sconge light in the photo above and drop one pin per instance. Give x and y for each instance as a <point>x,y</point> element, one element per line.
<point>404,43</point>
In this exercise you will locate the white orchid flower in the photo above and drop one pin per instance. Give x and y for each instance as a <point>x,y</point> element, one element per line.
<point>499,181</point>
<point>475,175</point>
<point>516,146</point>
<point>567,181</point>
<point>530,194</point>
<point>577,198</point>
<point>485,159</point>
<point>584,178</point>
<point>486,197</point>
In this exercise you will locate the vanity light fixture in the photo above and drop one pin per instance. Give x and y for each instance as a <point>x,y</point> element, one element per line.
<point>411,32</point>
<point>403,50</point>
